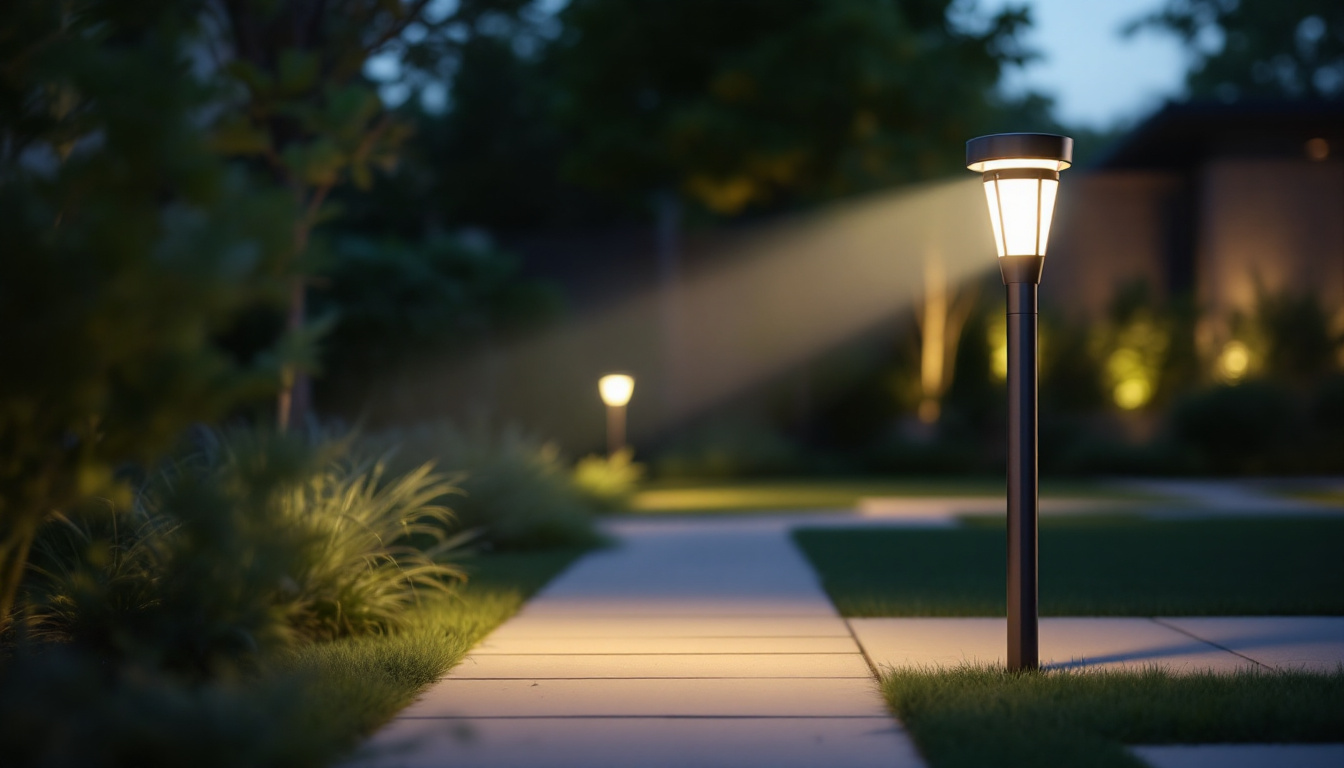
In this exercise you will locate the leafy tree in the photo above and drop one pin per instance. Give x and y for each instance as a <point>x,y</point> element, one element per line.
<point>1282,48</point>
<point>770,101</point>
<point>129,247</point>
<point>307,114</point>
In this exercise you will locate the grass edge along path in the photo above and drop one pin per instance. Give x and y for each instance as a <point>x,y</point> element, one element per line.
<point>345,689</point>
<point>974,716</point>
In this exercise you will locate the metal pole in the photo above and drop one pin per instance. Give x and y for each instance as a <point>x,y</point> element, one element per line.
<point>615,428</point>
<point>1023,500</point>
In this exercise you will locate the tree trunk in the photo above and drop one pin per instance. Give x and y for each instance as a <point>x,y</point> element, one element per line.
<point>295,400</point>
<point>668,211</point>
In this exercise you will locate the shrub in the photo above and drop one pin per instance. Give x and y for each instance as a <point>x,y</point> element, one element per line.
<point>724,449</point>
<point>516,491</point>
<point>249,542</point>
<point>1236,428</point>
<point>608,482</point>
<point>62,707</point>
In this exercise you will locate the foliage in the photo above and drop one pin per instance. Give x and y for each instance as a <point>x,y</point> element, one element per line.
<point>401,308</point>
<point>770,101</point>
<point>609,482</point>
<point>1296,329</point>
<point>1237,427</point>
<point>1145,348</point>
<point>517,492</point>
<point>62,706</point>
<point>128,249</point>
<point>1088,718</point>
<point>1269,566</point>
<point>1250,48</point>
<point>730,448</point>
<point>246,545</point>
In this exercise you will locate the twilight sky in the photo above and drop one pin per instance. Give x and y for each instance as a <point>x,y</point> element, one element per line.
<point>1097,76</point>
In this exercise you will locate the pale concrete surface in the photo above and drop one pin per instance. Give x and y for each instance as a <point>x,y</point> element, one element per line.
<point>862,742</point>
<point>645,645</point>
<point>1065,643</point>
<point>1201,497</point>
<point>557,626</point>
<point>691,665</point>
<point>1242,755</point>
<point>694,643</point>
<point>1308,643</point>
<point>641,697</point>
<point>1218,644</point>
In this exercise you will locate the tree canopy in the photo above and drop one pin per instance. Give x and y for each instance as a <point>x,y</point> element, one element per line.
<point>768,101</point>
<point>1257,48</point>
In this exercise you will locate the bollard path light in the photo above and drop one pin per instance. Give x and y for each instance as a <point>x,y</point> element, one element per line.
<point>616,389</point>
<point>1021,175</point>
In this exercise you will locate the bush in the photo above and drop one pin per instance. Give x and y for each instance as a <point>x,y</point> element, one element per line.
<point>62,707</point>
<point>608,482</point>
<point>516,491</point>
<point>742,448</point>
<point>1237,428</point>
<point>251,541</point>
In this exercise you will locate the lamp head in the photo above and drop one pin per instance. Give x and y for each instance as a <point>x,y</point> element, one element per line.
<point>1021,175</point>
<point>616,388</point>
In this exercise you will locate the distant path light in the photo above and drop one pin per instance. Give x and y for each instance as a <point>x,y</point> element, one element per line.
<point>1021,178</point>
<point>616,389</point>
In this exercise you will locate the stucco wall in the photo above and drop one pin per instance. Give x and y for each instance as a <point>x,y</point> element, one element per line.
<point>1111,228</point>
<point>1276,223</point>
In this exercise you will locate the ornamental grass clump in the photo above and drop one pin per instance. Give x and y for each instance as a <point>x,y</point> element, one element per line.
<point>248,543</point>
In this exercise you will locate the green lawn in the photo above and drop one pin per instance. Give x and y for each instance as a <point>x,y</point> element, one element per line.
<point>977,716</point>
<point>709,497</point>
<point>350,687</point>
<point>1090,566</point>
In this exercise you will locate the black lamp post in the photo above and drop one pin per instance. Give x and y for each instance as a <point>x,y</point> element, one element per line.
<point>1021,174</point>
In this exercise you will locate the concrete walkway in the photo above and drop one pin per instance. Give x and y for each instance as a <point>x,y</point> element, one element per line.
<point>694,643</point>
<point>708,642</point>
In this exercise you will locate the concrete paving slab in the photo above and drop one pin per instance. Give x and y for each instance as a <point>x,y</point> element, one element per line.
<point>1242,755</point>
<point>1065,643</point>
<point>646,645</point>
<point>564,626</point>
<point>692,643</point>
<point>721,603</point>
<point>1310,643</point>
<point>865,742</point>
<point>539,667</point>
<point>842,697</point>
<point>1206,498</point>
<point>674,564</point>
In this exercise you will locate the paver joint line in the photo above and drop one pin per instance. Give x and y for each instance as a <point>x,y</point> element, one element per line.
<point>1159,621</point>
<point>877,673</point>
<point>688,653</point>
<point>684,677</point>
<point>882,718</point>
